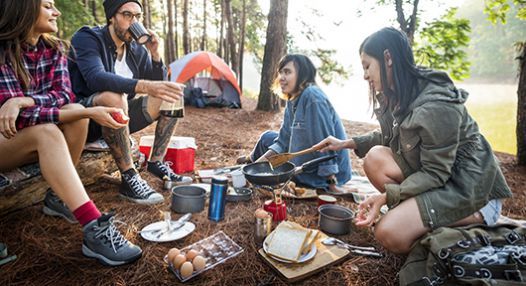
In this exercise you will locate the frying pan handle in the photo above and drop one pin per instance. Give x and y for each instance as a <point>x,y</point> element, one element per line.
<point>312,164</point>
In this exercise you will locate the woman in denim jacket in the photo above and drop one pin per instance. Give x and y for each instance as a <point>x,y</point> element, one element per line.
<point>429,160</point>
<point>309,117</point>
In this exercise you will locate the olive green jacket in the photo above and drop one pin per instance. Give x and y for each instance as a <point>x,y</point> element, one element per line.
<point>448,165</point>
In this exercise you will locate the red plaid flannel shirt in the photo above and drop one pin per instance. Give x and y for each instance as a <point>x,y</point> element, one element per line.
<point>50,86</point>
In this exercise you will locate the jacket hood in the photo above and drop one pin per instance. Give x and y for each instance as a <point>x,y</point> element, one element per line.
<point>437,86</point>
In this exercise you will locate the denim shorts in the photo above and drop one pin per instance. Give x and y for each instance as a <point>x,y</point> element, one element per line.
<point>491,211</point>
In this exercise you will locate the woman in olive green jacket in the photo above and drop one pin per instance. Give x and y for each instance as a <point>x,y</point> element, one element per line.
<point>429,157</point>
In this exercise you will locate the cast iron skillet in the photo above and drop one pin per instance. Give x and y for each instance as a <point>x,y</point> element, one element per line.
<point>261,174</point>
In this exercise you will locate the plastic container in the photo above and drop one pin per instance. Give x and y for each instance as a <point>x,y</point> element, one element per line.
<point>180,152</point>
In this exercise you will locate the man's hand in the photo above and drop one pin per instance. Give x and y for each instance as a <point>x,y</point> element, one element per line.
<point>153,46</point>
<point>165,90</point>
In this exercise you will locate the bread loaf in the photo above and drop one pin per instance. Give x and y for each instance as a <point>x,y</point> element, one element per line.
<point>288,241</point>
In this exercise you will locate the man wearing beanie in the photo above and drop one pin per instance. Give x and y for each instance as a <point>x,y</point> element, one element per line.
<point>108,68</point>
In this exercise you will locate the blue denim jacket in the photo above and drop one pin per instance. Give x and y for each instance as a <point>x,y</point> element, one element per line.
<point>309,119</point>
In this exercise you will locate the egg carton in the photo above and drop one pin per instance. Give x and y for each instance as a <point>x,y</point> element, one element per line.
<point>216,248</point>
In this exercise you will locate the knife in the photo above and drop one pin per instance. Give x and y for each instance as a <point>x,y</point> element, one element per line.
<point>175,226</point>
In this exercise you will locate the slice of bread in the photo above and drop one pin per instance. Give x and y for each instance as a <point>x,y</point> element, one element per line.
<point>288,241</point>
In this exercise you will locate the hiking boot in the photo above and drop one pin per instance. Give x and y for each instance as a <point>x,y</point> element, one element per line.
<point>104,242</point>
<point>162,170</point>
<point>54,206</point>
<point>135,189</point>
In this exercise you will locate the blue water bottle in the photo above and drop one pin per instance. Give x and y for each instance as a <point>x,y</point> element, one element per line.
<point>216,207</point>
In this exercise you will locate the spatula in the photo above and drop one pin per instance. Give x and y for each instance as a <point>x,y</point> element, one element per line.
<point>280,159</point>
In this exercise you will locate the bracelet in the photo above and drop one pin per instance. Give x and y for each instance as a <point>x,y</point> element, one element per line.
<point>332,181</point>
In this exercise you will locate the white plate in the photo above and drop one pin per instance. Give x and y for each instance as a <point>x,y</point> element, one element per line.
<point>304,258</point>
<point>177,234</point>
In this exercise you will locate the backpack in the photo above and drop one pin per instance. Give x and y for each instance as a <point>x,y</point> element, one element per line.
<point>471,255</point>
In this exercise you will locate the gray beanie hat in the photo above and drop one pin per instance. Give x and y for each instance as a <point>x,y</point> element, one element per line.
<point>111,6</point>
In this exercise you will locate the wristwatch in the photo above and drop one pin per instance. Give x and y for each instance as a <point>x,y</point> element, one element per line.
<point>332,180</point>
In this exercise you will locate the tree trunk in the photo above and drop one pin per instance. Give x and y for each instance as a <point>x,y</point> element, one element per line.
<point>242,44</point>
<point>176,34</point>
<point>94,10</point>
<point>186,32</point>
<point>231,38</point>
<point>275,48</point>
<point>170,35</point>
<point>203,39</point>
<point>147,17</point>
<point>407,25</point>
<point>221,30</point>
<point>521,110</point>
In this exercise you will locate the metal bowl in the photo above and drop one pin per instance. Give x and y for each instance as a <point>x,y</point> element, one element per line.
<point>188,199</point>
<point>239,195</point>
<point>335,219</point>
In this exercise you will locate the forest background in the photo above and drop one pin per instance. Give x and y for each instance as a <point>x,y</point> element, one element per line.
<point>479,43</point>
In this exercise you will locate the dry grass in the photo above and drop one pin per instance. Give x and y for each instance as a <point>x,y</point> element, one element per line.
<point>48,249</point>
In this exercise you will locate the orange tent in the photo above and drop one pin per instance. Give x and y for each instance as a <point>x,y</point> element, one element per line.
<point>191,64</point>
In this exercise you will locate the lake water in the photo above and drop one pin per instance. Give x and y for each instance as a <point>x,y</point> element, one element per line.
<point>494,107</point>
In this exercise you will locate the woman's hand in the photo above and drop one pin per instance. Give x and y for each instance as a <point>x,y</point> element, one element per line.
<point>369,209</point>
<point>9,113</point>
<point>331,144</point>
<point>102,115</point>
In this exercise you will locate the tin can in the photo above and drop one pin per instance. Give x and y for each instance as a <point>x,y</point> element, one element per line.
<point>216,206</point>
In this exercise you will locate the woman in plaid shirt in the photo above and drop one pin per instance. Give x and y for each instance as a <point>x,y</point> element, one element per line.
<point>39,122</point>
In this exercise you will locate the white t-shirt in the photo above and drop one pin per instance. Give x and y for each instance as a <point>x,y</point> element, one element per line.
<point>122,68</point>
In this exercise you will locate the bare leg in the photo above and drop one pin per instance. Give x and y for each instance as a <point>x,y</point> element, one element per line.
<point>381,168</point>
<point>402,226</point>
<point>46,144</point>
<point>118,140</point>
<point>163,132</point>
<point>75,133</point>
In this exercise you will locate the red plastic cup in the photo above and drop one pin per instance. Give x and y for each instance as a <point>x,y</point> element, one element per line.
<point>326,200</point>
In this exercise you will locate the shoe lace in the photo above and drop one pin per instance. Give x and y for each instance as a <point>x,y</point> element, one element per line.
<point>139,185</point>
<point>114,235</point>
<point>166,169</point>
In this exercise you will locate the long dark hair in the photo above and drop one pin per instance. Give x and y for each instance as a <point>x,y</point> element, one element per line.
<point>17,18</point>
<point>304,68</point>
<point>405,71</point>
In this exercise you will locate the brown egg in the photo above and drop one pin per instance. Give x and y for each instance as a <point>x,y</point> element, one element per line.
<point>190,255</point>
<point>178,261</point>
<point>199,263</point>
<point>186,269</point>
<point>172,253</point>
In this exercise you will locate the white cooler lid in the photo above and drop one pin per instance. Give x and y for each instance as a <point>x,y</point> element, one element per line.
<point>176,142</point>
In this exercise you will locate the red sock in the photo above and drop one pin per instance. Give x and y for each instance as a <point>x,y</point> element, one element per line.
<point>86,213</point>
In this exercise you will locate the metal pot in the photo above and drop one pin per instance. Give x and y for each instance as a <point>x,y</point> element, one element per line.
<point>188,199</point>
<point>335,219</point>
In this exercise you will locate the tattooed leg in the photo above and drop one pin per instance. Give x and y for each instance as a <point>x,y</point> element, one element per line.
<point>163,132</point>
<point>119,142</point>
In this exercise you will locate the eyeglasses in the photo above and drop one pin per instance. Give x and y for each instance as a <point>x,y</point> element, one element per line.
<point>127,15</point>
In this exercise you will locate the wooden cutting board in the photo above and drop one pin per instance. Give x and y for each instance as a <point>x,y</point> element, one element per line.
<point>326,256</point>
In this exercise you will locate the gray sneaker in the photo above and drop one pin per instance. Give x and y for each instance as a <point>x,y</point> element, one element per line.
<point>135,189</point>
<point>54,206</point>
<point>104,242</point>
